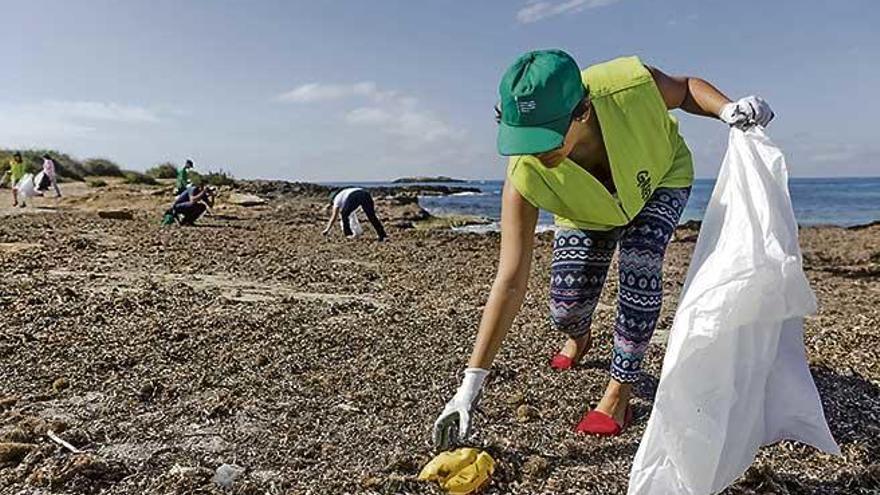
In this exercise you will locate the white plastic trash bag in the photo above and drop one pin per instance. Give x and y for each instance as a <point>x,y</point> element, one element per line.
<point>26,187</point>
<point>735,375</point>
<point>356,229</point>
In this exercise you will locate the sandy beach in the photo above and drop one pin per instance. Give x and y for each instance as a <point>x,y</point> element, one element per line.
<point>318,365</point>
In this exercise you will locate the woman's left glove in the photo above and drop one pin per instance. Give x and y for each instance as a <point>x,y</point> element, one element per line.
<point>454,423</point>
<point>747,112</point>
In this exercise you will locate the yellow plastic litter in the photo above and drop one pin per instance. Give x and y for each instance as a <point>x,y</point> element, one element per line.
<point>461,471</point>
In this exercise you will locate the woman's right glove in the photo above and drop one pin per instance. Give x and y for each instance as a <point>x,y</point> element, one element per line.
<point>747,112</point>
<point>454,423</point>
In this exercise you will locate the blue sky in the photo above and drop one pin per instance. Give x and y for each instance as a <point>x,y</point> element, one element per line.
<point>371,90</point>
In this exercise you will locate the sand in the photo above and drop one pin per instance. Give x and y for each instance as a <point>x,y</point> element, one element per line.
<point>318,365</point>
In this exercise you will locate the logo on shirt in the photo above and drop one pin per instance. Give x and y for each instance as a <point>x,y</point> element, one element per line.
<point>643,179</point>
<point>525,106</point>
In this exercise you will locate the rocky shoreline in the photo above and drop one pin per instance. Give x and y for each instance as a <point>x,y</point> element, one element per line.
<point>306,364</point>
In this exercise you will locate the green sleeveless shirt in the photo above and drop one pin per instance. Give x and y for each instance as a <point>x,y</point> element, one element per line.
<point>644,148</point>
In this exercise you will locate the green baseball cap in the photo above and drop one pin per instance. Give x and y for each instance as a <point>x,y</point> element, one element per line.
<point>538,93</point>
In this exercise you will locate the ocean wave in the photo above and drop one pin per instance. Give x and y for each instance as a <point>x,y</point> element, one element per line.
<point>468,193</point>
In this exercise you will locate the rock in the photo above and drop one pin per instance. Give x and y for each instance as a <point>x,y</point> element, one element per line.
<point>536,467</point>
<point>11,452</point>
<point>242,199</point>
<point>262,360</point>
<point>60,384</point>
<point>116,214</point>
<point>526,413</point>
<point>226,475</point>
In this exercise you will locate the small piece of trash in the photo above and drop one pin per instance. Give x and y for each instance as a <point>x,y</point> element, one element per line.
<point>348,407</point>
<point>226,475</point>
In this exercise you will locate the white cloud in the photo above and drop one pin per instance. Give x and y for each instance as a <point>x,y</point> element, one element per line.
<point>92,111</point>
<point>403,117</point>
<point>316,92</point>
<point>34,124</point>
<point>388,112</point>
<point>537,10</point>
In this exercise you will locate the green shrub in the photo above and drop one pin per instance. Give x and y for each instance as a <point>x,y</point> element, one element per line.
<point>102,167</point>
<point>132,177</point>
<point>219,178</point>
<point>96,183</point>
<point>163,171</point>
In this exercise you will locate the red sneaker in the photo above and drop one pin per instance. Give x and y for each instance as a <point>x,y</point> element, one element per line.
<point>600,424</point>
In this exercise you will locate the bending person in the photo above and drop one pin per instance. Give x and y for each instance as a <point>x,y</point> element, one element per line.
<point>49,173</point>
<point>598,149</point>
<point>346,202</point>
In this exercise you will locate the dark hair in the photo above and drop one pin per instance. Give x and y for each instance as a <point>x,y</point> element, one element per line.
<point>46,156</point>
<point>17,154</point>
<point>188,162</point>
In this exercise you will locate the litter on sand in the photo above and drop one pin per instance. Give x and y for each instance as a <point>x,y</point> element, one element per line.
<point>461,471</point>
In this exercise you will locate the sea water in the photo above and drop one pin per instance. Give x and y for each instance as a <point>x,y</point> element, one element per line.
<point>817,201</point>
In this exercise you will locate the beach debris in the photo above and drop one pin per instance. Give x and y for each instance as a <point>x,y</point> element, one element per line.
<point>461,471</point>
<point>536,467</point>
<point>60,441</point>
<point>246,200</point>
<point>60,384</point>
<point>226,475</point>
<point>526,413</point>
<point>115,214</point>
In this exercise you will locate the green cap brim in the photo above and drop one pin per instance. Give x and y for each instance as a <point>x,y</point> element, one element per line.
<point>521,140</point>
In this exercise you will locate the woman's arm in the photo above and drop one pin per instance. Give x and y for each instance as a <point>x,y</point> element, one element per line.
<point>691,94</point>
<point>696,96</point>
<point>330,222</point>
<point>518,220</point>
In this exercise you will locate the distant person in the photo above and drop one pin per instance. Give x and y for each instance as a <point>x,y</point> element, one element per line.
<point>192,203</point>
<point>346,202</point>
<point>183,177</point>
<point>16,172</point>
<point>49,177</point>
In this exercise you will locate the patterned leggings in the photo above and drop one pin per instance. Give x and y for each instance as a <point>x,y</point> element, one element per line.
<point>580,266</point>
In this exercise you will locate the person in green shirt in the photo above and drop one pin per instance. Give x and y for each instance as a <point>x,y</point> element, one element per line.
<point>16,172</point>
<point>183,178</point>
<point>598,149</point>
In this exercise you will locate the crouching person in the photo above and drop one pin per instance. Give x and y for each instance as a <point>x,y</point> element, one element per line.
<point>192,204</point>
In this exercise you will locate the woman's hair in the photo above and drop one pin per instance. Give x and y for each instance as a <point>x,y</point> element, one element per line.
<point>17,155</point>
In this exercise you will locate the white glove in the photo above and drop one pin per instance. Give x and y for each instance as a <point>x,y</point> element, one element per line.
<point>747,112</point>
<point>454,423</point>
